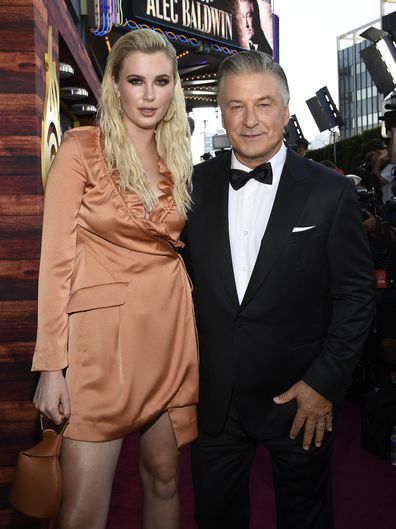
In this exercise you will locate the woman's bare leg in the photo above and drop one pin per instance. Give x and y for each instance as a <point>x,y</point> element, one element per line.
<point>158,463</point>
<point>87,471</point>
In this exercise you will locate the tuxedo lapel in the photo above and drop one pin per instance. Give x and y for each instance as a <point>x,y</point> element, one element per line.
<point>293,190</point>
<point>217,223</point>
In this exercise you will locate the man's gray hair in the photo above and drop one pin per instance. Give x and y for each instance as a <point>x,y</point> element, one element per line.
<point>252,61</point>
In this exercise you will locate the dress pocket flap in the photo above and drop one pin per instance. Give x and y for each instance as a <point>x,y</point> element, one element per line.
<point>97,297</point>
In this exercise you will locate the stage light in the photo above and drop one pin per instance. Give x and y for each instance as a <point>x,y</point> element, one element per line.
<point>380,59</point>
<point>373,34</point>
<point>324,110</point>
<point>293,130</point>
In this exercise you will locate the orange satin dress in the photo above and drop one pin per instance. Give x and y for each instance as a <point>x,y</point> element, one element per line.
<point>115,304</point>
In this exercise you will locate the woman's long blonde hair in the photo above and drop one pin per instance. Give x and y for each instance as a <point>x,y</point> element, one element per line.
<point>172,133</point>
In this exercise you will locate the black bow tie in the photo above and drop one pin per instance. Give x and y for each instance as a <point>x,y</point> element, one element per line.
<point>262,173</point>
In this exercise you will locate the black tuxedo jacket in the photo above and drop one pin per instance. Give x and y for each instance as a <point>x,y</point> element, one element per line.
<point>308,306</point>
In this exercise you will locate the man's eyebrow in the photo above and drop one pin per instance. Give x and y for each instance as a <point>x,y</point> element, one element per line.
<point>264,98</point>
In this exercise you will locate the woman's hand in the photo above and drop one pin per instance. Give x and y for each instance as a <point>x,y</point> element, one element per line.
<point>52,396</point>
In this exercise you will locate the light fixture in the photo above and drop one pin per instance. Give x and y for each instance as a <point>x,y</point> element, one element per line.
<point>293,130</point>
<point>205,92</point>
<point>380,59</point>
<point>329,108</point>
<point>373,34</point>
<point>81,109</point>
<point>65,70</point>
<point>73,92</point>
<point>317,113</point>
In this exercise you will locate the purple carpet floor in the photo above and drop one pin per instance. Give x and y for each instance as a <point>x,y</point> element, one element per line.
<point>364,485</point>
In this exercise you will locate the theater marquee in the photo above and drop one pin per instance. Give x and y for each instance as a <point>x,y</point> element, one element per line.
<point>202,16</point>
<point>225,21</point>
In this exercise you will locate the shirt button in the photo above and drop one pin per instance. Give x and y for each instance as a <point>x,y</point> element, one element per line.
<point>245,232</point>
<point>244,268</point>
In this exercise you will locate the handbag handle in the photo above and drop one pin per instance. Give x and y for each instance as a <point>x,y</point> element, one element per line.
<point>59,430</point>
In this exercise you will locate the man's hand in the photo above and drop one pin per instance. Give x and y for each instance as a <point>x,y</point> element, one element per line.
<point>314,412</point>
<point>370,224</point>
<point>378,161</point>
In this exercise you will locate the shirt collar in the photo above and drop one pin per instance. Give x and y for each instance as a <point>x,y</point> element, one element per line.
<point>277,163</point>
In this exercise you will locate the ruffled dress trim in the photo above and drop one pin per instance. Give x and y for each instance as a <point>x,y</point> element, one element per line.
<point>153,224</point>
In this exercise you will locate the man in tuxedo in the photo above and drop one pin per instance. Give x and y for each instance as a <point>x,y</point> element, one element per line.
<point>284,296</point>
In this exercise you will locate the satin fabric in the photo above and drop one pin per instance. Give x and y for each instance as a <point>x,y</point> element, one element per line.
<point>115,302</point>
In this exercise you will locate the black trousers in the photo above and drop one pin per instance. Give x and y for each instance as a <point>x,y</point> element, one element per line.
<point>221,467</point>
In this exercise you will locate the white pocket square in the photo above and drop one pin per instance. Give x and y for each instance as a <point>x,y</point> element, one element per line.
<point>303,228</point>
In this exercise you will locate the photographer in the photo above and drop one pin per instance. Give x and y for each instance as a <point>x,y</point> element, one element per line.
<point>368,208</point>
<point>378,211</point>
<point>374,384</point>
<point>301,146</point>
<point>380,161</point>
<point>378,222</point>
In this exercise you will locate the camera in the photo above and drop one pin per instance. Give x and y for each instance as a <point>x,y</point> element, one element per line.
<point>368,202</point>
<point>392,204</point>
<point>366,195</point>
<point>390,210</point>
<point>389,117</point>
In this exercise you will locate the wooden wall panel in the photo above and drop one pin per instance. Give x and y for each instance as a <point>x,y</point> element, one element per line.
<point>19,279</point>
<point>18,173</point>
<point>19,248</point>
<point>18,319</point>
<point>24,30</point>
<point>15,351</point>
<point>19,114</point>
<point>16,38</point>
<point>19,145</point>
<point>19,185</point>
<point>17,70</point>
<point>25,269</point>
<point>29,163</point>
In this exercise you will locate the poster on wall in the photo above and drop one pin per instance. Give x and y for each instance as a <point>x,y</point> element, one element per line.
<point>245,24</point>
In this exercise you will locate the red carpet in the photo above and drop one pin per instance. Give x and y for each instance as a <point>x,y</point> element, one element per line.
<point>364,486</point>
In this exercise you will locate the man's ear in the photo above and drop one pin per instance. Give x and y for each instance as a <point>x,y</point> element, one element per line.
<point>287,116</point>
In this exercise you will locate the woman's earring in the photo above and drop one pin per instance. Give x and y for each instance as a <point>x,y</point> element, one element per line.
<point>171,111</point>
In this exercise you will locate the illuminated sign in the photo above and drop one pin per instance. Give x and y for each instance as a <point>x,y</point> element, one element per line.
<point>195,15</point>
<point>243,23</point>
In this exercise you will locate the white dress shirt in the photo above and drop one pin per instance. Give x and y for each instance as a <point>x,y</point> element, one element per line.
<point>249,209</point>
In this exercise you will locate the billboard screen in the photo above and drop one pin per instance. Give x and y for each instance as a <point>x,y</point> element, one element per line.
<point>242,23</point>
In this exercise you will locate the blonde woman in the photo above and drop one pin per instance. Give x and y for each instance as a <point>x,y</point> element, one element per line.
<point>115,310</point>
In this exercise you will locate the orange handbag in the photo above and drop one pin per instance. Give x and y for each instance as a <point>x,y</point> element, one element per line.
<point>37,486</point>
